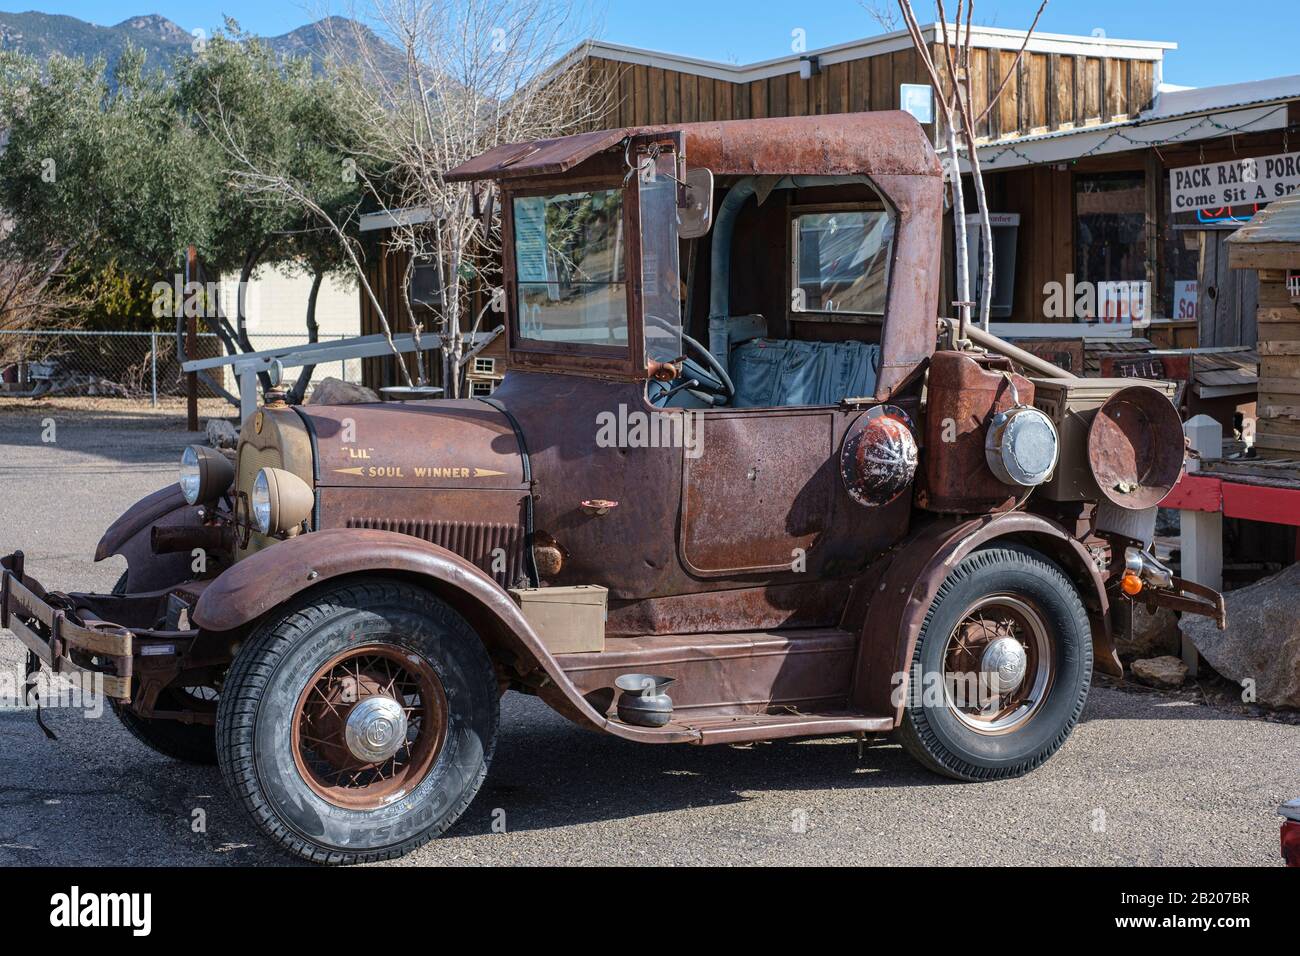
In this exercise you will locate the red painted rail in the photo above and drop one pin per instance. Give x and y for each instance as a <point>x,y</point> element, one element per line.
<point>1275,505</point>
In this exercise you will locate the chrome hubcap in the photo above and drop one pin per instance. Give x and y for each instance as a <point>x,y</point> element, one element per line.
<point>1004,662</point>
<point>376,729</point>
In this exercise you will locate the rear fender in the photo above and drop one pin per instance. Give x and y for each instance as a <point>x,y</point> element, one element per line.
<point>269,578</point>
<point>129,537</point>
<point>906,590</point>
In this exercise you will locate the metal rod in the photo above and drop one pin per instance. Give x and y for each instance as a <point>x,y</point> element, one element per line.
<point>153,364</point>
<point>989,341</point>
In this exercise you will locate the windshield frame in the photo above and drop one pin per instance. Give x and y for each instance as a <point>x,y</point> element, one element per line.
<point>612,361</point>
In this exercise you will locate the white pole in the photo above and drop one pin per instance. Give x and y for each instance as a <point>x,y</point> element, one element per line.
<point>1201,532</point>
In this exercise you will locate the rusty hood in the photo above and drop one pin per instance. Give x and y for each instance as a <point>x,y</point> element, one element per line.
<point>456,444</point>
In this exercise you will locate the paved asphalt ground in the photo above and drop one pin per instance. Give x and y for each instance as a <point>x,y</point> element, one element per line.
<point>1173,782</point>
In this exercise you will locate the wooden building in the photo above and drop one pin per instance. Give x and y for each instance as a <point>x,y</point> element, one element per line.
<point>1270,247</point>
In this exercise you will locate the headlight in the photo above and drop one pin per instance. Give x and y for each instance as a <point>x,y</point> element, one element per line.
<point>206,474</point>
<point>281,501</point>
<point>1022,446</point>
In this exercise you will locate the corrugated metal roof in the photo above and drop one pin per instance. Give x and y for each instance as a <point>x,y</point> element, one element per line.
<point>1280,222</point>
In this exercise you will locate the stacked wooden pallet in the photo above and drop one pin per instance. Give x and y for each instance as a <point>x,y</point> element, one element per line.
<point>1270,245</point>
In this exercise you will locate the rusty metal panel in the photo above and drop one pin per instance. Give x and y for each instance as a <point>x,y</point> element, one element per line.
<point>543,157</point>
<point>761,492</point>
<point>749,673</point>
<point>965,391</point>
<point>441,444</point>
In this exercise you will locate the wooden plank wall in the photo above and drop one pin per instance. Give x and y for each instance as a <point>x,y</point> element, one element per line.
<point>1277,427</point>
<point>1044,197</point>
<point>1047,92</point>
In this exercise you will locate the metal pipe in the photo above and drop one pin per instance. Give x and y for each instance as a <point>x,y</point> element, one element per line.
<point>989,341</point>
<point>178,539</point>
<point>724,227</point>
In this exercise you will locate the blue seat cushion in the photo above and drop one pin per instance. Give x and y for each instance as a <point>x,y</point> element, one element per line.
<point>770,373</point>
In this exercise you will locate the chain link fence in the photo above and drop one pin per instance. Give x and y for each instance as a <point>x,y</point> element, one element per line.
<point>138,366</point>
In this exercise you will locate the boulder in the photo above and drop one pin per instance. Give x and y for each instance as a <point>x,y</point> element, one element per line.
<point>335,391</point>
<point>1155,634</point>
<point>1160,671</point>
<point>222,434</point>
<point>1262,641</point>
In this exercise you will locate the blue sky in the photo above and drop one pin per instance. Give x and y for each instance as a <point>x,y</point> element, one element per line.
<point>1249,40</point>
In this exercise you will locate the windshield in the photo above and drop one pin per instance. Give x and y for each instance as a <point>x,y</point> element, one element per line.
<point>569,251</point>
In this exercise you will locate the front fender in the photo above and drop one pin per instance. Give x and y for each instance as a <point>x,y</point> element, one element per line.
<point>267,579</point>
<point>909,585</point>
<point>129,537</point>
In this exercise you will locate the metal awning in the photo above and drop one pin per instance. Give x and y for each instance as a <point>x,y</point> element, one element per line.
<point>543,157</point>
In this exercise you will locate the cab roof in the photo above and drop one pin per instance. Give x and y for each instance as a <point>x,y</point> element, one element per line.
<point>889,143</point>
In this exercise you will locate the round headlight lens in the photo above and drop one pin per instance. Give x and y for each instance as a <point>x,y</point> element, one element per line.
<point>1022,447</point>
<point>191,475</point>
<point>261,501</point>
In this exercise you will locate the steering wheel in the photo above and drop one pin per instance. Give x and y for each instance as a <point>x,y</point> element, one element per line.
<point>705,378</point>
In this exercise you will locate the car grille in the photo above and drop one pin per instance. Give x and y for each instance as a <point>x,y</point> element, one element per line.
<point>477,542</point>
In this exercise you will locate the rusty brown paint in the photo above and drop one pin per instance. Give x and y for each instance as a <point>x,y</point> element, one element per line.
<point>1135,447</point>
<point>965,392</point>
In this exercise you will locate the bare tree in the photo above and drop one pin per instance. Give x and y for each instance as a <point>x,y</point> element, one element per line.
<point>474,74</point>
<point>957,109</point>
<point>31,300</point>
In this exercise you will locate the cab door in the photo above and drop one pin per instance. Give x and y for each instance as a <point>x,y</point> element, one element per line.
<point>764,497</point>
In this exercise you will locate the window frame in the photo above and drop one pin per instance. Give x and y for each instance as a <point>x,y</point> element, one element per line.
<point>607,361</point>
<point>821,315</point>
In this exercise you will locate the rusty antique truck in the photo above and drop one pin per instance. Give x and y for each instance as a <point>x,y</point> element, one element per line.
<point>742,482</point>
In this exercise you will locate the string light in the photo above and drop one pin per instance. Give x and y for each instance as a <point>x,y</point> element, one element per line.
<point>1204,122</point>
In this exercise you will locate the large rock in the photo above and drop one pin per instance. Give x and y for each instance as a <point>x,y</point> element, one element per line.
<point>335,391</point>
<point>1262,642</point>
<point>1155,634</point>
<point>1160,671</point>
<point>222,434</point>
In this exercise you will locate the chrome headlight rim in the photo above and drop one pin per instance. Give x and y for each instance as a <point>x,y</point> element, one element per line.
<point>205,475</point>
<point>1005,452</point>
<point>280,502</point>
<point>261,503</point>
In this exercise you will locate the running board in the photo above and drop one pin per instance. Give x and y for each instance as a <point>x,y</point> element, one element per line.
<point>743,728</point>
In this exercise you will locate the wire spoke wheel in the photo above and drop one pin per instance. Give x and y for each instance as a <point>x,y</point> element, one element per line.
<point>369,725</point>
<point>998,664</point>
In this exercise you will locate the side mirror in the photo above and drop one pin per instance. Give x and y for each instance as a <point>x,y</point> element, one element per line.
<point>695,218</point>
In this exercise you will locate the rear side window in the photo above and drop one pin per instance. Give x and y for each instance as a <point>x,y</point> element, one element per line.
<point>569,268</point>
<point>841,261</point>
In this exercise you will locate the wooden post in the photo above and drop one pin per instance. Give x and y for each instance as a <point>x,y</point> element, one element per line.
<point>191,344</point>
<point>1201,532</point>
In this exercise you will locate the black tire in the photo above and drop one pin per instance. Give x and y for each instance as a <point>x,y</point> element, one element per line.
<point>932,729</point>
<point>191,743</point>
<point>269,679</point>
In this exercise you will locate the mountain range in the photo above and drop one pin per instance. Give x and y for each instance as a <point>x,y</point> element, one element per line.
<point>43,34</point>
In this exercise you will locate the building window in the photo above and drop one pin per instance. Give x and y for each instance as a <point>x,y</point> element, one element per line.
<point>426,283</point>
<point>481,389</point>
<point>1109,240</point>
<point>485,366</point>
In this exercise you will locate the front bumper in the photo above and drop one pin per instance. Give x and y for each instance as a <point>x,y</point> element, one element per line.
<point>116,638</point>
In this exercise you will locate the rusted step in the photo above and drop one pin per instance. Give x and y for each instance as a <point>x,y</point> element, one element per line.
<point>727,676</point>
<point>747,727</point>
